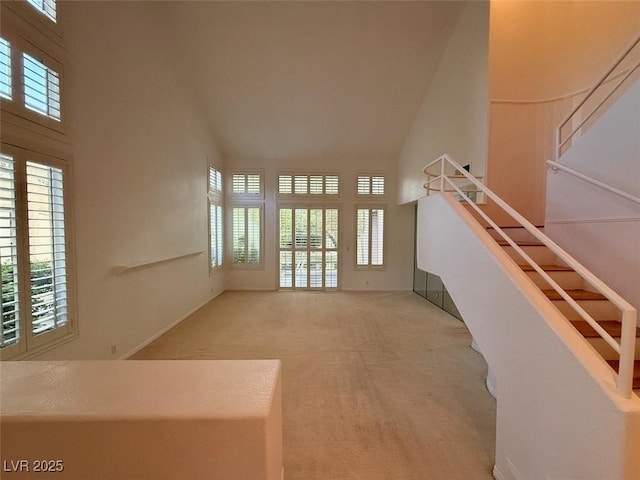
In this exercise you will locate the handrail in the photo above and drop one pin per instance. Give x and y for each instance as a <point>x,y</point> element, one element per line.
<point>558,166</point>
<point>614,65</point>
<point>626,347</point>
<point>120,269</point>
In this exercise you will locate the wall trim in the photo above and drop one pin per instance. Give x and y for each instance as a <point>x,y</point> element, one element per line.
<point>593,220</point>
<point>164,330</point>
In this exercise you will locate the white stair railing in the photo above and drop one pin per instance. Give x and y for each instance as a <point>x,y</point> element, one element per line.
<point>626,347</point>
<point>613,81</point>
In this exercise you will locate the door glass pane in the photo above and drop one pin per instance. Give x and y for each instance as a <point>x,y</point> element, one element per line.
<point>286,278</point>
<point>315,269</point>
<point>331,269</point>
<point>301,227</point>
<point>301,269</point>
<point>285,228</point>
<point>315,228</point>
<point>331,228</point>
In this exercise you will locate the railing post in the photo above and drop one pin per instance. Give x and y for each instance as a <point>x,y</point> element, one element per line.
<point>442,165</point>
<point>627,352</point>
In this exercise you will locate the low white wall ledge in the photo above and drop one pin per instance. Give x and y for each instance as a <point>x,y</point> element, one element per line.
<point>214,420</point>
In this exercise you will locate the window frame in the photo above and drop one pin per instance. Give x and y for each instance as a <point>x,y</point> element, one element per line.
<point>30,345</point>
<point>370,207</point>
<point>23,39</point>
<point>215,199</point>
<point>245,265</point>
<point>54,31</point>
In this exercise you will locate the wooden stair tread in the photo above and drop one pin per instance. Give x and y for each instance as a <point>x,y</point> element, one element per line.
<point>547,268</point>
<point>636,371</point>
<point>576,294</point>
<point>612,327</point>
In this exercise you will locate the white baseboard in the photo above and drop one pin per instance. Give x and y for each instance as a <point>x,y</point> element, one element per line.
<point>157,335</point>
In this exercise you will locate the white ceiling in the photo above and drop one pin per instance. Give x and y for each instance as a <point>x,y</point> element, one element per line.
<point>310,80</point>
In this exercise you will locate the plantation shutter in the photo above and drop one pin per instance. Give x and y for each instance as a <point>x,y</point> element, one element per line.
<point>5,70</point>
<point>41,87</point>
<point>47,256</point>
<point>10,326</point>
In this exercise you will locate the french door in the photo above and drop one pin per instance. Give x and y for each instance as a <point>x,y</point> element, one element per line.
<point>308,248</point>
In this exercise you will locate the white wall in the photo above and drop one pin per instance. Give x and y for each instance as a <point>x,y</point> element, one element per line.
<point>558,414</point>
<point>398,254</point>
<point>453,116</point>
<point>600,229</point>
<point>542,55</point>
<point>140,149</point>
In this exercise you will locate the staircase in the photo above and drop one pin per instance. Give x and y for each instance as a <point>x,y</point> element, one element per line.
<point>597,305</point>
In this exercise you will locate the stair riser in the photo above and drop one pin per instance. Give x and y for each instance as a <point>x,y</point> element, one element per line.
<point>598,309</point>
<point>517,234</point>
<point>540,254</point>
<point>609,353</point>
<point>567,280</point>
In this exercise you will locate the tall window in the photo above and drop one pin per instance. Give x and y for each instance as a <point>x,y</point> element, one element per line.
<point>370,221</point>
<point>215,204</point>
<point>370,237</point>
<point>34,261</point>
<point>247,235</point>
<point>247,195</point>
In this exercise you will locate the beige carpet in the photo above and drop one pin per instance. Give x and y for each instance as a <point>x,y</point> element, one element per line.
<point>375,385</point>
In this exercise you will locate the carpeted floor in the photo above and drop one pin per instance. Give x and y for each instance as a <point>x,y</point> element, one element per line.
<point>376,386</point>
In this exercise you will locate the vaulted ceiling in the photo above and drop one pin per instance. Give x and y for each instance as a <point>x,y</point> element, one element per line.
<point>310,80</point>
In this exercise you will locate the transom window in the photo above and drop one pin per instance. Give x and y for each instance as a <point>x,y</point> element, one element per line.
<point>246,184</point>
<point>303,184</point>
<point>370,185</point>
<point>6,90</point>
<point>41,87</point>
<point>46,7</point>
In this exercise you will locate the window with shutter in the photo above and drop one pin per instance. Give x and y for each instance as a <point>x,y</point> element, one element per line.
<point>316,185</point>
<point>370,185</point>
<point>370,237</point>
<point>6,90</point>
<point>48,272</point>
<point>247,185</point>
<point>34,260</point>
<point>46,7</point>
<point>247,235</point>
<point>10,326</point>
<point>41,88</point>
<point>216,219</point>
